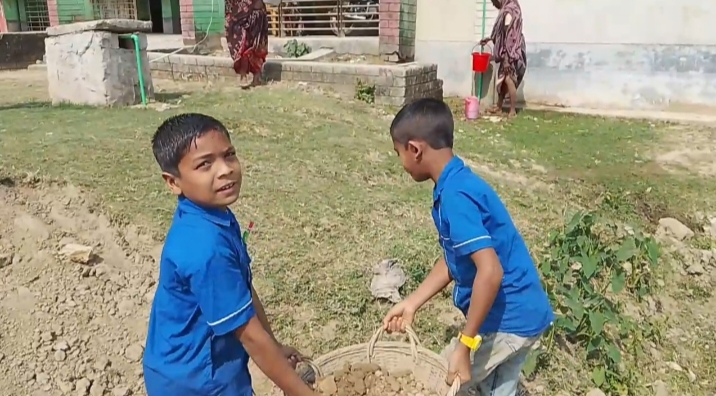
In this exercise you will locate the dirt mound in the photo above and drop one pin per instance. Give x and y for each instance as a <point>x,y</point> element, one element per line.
<point>75,295</point>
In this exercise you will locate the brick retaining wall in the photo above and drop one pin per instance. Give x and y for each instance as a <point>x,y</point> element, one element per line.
<point>394,84</point>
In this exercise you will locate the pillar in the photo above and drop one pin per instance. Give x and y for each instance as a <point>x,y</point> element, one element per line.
<point>52,12</point>
<point>397,30</point>
<point>186,12</point>
<point>3,22</point>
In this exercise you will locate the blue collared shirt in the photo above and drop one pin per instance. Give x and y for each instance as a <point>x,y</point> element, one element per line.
<point>469,217</point>
<point>203,296</point>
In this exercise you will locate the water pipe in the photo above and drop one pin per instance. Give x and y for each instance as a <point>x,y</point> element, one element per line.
<point>140,74</point>
<point>482,47</point>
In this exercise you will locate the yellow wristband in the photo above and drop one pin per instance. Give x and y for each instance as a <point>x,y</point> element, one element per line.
<point>471,342</point>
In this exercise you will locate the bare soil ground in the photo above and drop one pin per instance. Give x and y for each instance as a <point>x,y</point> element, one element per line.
<point>64,324</point>
<point>322,180</point>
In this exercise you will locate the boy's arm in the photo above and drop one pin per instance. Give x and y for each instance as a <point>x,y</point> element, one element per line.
<point>261,313</point>
<point>470,238</point>
<point>267,354</point>
<point>484,289</point>
<point>226,301</point>
<point>437,279</point>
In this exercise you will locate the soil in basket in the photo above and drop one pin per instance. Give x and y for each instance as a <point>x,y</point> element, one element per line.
<point>366,379</point>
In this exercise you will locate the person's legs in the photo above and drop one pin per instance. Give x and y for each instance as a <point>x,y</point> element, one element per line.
<point>501,93</point>
<point>260,49</point>
<point>511,89</point>
<point>505,379</point>
<point>488,374</point>
<point>501,89</point>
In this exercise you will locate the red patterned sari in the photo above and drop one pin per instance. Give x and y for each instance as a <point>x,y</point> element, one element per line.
<point>247,35</point>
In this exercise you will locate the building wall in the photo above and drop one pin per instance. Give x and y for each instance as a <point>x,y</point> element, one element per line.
<point>171,17</point>
<point>446,34</point>
<point>648,54</point>
<point>69,11</point>
<point>209,17</point>
<point>13,15</point>
<point>18,50</point>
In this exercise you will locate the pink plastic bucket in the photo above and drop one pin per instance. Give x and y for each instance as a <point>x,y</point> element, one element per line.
<point>472,108</point>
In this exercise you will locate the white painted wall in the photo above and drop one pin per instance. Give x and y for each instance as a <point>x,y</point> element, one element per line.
<point>689,22</point>
<point>446,33</point>
<point>606,53</point>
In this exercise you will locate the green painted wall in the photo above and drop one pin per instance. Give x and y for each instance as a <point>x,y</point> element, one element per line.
<point>203,17</point>
<point>11,8</point>
<point>167,11</point>
<point>69,11</point>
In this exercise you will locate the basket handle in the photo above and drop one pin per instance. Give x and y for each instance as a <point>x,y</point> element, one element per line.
<point>455,387</point>
<point>316,370</point>
<point>478,45</point>
<point>412,337</point>
<point>313,366</point>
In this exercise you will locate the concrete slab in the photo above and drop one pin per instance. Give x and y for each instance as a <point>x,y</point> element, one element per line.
<point>105,25</point>
<point>317,55</point>
<point>164,42</point>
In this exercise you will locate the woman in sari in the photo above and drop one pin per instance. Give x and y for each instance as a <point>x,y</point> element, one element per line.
<point>247,36</point>
<point>509,51</point>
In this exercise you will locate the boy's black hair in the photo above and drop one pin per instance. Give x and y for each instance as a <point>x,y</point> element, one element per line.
<point>429,120</point>
<point>175,136</point>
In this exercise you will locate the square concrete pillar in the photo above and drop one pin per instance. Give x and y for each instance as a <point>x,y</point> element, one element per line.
<point>94,63</point>
<point>397,30</point>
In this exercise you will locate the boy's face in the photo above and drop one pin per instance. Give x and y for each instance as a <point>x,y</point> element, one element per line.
<point>210,172</point>
<point>411,156</point>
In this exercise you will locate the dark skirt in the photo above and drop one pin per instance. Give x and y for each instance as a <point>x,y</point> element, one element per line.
<point>246,35</point>
<point>515,69</point>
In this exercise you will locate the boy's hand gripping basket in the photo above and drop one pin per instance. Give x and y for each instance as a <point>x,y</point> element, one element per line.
<point>428,368</point>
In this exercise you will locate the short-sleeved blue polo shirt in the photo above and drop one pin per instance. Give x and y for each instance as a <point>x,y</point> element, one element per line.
<point>203,296</point>
<point>469,217</point>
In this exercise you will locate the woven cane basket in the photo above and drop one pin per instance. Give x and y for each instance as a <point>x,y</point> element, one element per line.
<point>428,368</point>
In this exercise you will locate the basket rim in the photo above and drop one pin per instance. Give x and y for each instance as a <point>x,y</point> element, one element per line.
<point>395,346</point>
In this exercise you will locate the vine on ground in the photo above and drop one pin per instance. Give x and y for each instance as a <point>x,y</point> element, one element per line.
<point>588,263</point>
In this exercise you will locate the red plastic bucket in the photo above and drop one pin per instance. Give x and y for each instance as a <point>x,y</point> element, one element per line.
<point>480,61</point>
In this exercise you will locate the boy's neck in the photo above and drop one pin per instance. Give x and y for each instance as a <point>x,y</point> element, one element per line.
<point>438,162</point>
<point>205,207</point>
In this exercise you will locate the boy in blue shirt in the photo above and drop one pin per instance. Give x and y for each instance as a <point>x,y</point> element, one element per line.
<point>206,318</point>
<point>497,286</point>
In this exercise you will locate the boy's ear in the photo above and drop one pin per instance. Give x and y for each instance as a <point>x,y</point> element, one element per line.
<point>415,148</point>
<point>172,182</point>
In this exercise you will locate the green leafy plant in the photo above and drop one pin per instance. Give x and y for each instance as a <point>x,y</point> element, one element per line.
<point>365,92</point>
<point>588,264</point>
<point>294,49</point>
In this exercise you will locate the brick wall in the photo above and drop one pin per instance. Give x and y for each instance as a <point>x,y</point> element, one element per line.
<point>186,12</point>
<point>52,12</point>
<point>3,21</point>
<point>19,50</point>
<point>394,84</point>
<point>397,29</point>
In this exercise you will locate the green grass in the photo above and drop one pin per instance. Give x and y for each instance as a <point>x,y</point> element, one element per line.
<point>330,198</point>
